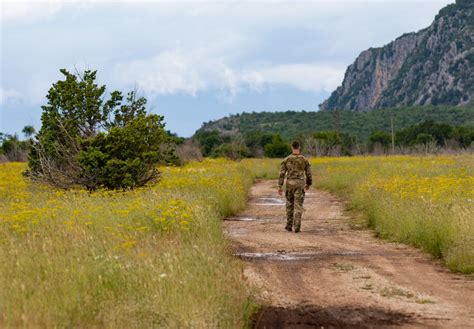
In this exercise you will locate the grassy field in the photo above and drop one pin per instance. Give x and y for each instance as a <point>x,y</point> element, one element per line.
<point>156,256</point>
<point>153,257</point>
<point>427,202</point>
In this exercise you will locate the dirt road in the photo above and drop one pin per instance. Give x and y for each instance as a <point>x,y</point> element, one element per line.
<point>334,275</point>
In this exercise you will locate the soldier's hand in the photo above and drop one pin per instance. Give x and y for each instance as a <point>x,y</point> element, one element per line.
<point>306,188</point>
<point>280,191</point>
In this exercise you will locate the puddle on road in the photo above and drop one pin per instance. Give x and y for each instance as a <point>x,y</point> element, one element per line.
<point>269,202</point>
<point>296,256</point>
<point>241,219</point>
<point>272,256</point>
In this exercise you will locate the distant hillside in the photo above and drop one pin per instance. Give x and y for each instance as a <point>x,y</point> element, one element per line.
<point>360,124</point>
<point>434,66</point>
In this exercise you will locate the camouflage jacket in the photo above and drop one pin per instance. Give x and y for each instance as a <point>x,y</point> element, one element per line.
<point>295,167</point>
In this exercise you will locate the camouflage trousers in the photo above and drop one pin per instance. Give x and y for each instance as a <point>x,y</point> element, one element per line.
<point>294,204</point>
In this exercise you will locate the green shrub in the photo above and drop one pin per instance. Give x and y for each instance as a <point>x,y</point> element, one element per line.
<point>381,138</point>
<point>87,141</point>
<point>278,148</point>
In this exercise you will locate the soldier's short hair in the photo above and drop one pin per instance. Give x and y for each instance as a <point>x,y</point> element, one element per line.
<point>295,145</point>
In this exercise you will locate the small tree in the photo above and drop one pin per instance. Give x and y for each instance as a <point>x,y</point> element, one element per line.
<point>12,148</point>
<point>331,143</point>
<point>278,148</point>
<point>234,150</point>
<point>379,139</point>
<point>256,141</point>
<point>208,141</point>
<point>327,143</point>
<point>89,141</point>
<point>28,131</point>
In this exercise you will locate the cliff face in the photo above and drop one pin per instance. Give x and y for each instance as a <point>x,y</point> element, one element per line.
<point>433,66</point>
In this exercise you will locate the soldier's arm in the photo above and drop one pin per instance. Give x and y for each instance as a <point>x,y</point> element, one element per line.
<point>309,176</point>
<point>281,177</point>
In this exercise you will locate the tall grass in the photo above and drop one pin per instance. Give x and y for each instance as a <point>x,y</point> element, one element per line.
<point>423,201</point>
<point>153,257</point>
<point>156,256</point>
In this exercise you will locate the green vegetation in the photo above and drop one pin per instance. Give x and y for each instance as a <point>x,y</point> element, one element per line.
<point>278,148</point>
<point>380,138</point>
<point>255,135</point>
<point>438,133</point>
<point>422,201</point>
<point>292,124</point>
<point>89,141</point>
<point>213,144</point>
<point>152,257</point>
<point>325,143</point>
<point>14,149</point>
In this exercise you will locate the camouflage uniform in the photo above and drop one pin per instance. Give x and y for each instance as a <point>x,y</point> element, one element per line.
<point>297,171</point>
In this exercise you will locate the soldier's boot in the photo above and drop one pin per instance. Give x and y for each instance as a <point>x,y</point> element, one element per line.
<point>289,211</point>
<point>289,223</point>
<point>298,210</point>
<point>297,224</point>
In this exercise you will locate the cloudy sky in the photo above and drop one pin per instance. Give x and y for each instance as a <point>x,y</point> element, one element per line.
<point>194,61</point>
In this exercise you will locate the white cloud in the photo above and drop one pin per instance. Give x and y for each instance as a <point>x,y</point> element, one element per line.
<point>310,77</point>
<point>22,11</point>
<point>189,72</point>
<point>313,77</point>
<point>169,72</point>
<point>232,46</point>
<point>9,95</point>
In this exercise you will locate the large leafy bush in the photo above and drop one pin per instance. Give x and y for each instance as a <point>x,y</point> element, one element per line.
<point>92,142</point>
<point>278,148</point>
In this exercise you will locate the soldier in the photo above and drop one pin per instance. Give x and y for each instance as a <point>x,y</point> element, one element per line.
<point>297,171</point>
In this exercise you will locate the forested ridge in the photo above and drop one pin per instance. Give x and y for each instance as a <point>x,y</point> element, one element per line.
<point>292,124</point>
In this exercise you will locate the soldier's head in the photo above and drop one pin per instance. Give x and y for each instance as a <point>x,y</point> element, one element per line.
<point>295,145</point>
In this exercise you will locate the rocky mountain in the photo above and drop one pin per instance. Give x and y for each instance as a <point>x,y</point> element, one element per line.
<point>434,66</point>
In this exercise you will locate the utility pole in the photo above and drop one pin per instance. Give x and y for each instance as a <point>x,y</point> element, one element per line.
<point>393,136</point>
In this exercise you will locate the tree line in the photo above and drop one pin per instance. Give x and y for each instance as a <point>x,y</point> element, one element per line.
<point>290,124</point>
<point>426,137</point>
